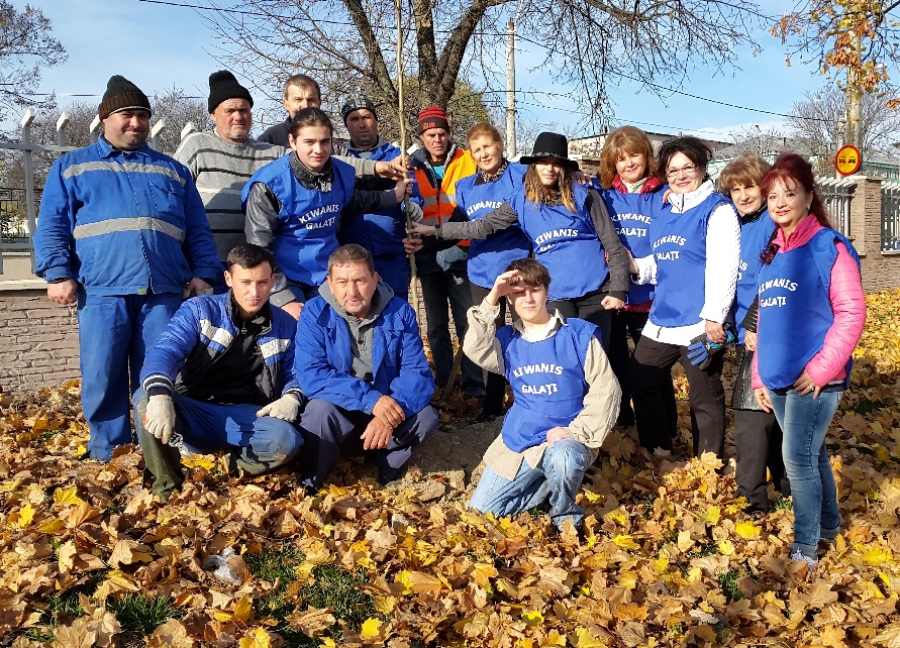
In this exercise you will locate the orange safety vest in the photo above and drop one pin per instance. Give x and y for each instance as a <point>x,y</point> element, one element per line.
<point>439,202</point>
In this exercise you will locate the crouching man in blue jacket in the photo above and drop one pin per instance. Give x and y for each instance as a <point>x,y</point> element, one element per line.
<point>222,377</point>
<point>360,361</point>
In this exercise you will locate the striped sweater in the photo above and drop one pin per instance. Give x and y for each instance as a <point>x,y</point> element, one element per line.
<point>221,169</point>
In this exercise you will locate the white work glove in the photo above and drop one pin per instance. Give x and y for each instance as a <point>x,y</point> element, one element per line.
<point>286,408</point>
<point>159,419</point>
<point>414,212</point>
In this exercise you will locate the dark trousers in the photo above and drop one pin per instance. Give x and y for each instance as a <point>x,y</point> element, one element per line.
<point>625,323</point>
<point>327,428</point>
<point>494,384</point>
<point>757,441</point>
<point>440,290</point>
<point>650,369</point>
<point>588,307</point>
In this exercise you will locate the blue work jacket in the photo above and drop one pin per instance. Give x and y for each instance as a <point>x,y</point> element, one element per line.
<point>123,223</point>
<point>324,358</point>
<point>202,330</point>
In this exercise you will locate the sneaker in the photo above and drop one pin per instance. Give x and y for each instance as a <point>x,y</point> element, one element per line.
<point>798,556</point>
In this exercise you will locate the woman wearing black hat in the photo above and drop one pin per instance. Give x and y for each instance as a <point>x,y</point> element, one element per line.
<point>570,230</point>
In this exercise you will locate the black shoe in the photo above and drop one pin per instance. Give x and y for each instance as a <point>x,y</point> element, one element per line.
<point>486,416</point>
<point>386,477</point>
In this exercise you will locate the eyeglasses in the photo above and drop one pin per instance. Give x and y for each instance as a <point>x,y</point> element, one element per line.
<point>687,169</point>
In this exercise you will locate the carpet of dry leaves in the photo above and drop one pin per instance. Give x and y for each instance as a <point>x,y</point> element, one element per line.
<point>87,558</point>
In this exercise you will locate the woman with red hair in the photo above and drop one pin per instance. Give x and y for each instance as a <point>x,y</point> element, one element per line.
<point>811,313</point>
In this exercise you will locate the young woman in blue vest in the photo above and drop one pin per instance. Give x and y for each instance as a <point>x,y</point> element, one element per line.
<point>630,190</point>
<point>293,207</point>
<point>757,435</point>
<point>570,231</point>
<point>811,276</point>
<point>566,398</point>
<point>695,245</point>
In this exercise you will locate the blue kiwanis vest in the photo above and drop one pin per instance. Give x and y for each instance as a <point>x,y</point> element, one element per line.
<point>631,214</point>
<point>794,308</point>
<point>381,233</point>
<point>547,380</point>
<point>565,243</point>
<point>754,239</point>
<point>678,242</point>
<point>488,258</point>
<point>307,234</point>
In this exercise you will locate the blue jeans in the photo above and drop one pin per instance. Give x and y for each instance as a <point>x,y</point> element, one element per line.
<point>257,445</point>
<point>114,334</point>
<point>557,478</point>
<point>804,421</point>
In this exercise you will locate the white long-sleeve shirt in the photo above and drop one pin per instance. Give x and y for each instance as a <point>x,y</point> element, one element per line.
<point>723,250</point>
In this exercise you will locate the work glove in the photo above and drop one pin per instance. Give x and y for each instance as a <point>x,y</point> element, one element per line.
<point>702,350</point>
<point>414,212</point>
<point>159,419</point>
<point>286,408</point>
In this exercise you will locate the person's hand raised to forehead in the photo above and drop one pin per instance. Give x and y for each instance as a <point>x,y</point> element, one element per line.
<point>505,285</point>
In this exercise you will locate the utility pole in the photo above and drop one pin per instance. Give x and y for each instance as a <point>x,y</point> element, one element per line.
<point>510,89</point>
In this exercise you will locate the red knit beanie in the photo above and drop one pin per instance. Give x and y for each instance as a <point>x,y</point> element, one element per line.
<point>432,117</point>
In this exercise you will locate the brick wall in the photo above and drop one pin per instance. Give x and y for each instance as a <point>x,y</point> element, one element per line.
<point>880,270</point>
<point>38,341</point>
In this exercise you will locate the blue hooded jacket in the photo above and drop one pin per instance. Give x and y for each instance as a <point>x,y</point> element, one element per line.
<point>324,359</point>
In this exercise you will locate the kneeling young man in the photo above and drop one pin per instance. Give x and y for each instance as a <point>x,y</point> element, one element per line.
<point>222,376</point>
<point>360,361</point>
<point>566,398</point>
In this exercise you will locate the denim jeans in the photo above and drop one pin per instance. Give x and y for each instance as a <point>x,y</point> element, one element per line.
<point>257,444</point>
<point>557,478</point>
<point>804,421</point>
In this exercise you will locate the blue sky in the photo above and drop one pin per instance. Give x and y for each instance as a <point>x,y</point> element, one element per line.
<point>160,47</point>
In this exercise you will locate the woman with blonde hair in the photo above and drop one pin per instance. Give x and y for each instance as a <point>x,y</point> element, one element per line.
<point>757,435</point>
<point>496,181</point>
<point>570,231</point>
<point>630,189</point>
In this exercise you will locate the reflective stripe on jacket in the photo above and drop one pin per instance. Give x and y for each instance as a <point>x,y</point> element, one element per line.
<point>200,333</point>
<point>123,222</point>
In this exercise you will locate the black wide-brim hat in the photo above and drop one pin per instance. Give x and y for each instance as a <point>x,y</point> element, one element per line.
<point>553,146</point>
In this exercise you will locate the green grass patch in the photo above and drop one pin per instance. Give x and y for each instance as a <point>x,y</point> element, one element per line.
<point>143,614</point>
<point>866,406</point>
<point>728,581</point>
<point>783,504</point>
<point>333,588</point>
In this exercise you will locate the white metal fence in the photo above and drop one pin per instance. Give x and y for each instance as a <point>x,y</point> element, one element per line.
<point>837,193</point>
<point>890,216</point>
<point>18,205</point>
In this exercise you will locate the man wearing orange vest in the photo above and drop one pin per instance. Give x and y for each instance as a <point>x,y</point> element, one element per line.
<point>438,165</point>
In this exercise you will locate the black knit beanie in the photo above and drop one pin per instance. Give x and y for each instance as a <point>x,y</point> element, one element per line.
<point>355,103</point>
<point>222,86</point>
<point>121,94</point>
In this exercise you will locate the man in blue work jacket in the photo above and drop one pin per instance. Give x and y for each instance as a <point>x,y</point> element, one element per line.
<point>381,232</point>
<point>122,233</point>
<point>360,361</point>
<point>222,376</point>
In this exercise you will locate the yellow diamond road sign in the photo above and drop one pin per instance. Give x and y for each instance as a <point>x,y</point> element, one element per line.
<point>848,160</point>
